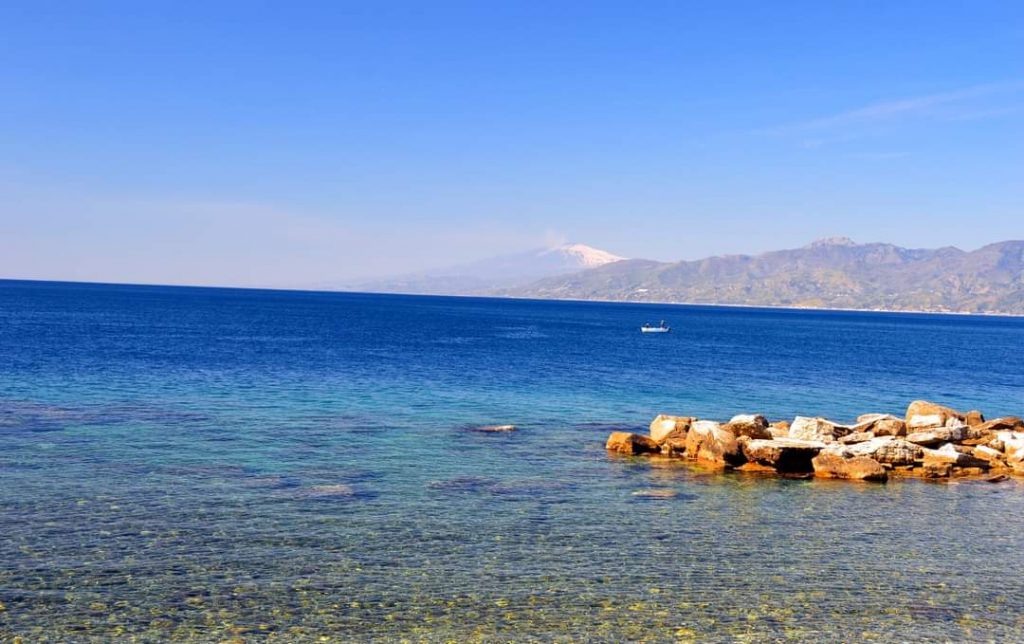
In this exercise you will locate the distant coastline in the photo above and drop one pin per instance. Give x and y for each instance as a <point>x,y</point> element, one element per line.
<point>278,289</point>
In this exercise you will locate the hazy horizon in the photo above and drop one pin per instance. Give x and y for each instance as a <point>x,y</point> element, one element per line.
<point>256,146</point>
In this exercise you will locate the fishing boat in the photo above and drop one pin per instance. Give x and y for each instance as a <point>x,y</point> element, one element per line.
<point>661,328</point>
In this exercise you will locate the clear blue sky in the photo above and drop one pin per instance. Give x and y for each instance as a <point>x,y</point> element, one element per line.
<point>289,143</point>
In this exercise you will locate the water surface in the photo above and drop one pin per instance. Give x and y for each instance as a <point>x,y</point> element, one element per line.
<point>209,463</point>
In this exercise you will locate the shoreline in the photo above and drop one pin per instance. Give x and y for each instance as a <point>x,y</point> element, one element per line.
<point>766,307</point>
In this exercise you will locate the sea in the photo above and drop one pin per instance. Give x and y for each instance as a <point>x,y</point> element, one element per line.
<point>202,464</point>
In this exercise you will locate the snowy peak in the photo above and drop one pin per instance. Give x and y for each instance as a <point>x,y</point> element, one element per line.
<point>487,275</point>
<point>585,256</point>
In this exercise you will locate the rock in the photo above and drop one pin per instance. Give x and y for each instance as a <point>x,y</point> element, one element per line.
<point>1013,445</point>
<point>871,418</point>
<point>974,417</point>
<point>336,491</point>
<point>832,465</point>
<point>938,435</point>
<point>494,429</point>
<point>922,421</point>
<point>782,455</point>
<point>630,443</point>
<point>929,414</point>
<point>1010,423</point>
<point>709,442</point>
<point>675,447</point>
<point>887,450</point>
<point>856,437</point>
<point>937,471</point>
<point>891,426</point>
<point>665,427</point>
<point>986,453</point>
<point>949,454</point>
<point>749,425</point>
<point>816,429</point>
<point>779,429</point>
<point>998,478</point>
<point>880,425</point>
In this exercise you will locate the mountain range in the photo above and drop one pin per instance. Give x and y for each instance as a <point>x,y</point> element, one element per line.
<point>488,276</point>
<point>829,273</point>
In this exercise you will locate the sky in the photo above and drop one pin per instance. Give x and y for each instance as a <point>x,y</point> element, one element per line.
<point>284,144</point>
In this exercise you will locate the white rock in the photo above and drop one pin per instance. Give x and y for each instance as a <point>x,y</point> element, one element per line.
<point>924,422</point>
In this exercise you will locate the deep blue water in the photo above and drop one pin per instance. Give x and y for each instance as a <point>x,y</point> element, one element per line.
<point>203,463</point>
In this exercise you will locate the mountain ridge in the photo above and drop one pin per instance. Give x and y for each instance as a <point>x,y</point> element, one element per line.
<point>829,273</point>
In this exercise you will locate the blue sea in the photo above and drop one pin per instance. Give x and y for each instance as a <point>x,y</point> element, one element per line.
<point>217,464</point>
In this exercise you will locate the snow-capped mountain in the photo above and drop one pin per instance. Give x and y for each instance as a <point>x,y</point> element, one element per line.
<point>506,271</point>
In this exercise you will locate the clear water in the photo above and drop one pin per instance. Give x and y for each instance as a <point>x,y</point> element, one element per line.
<point>210,463</point>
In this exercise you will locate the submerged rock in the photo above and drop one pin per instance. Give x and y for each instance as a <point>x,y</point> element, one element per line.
<point>833,465</point>
<point>492,429</point>
<point>664,427</point>
<point>630,443</point>
<point>709,442</point>
<point>656,493</point>
<point>334,491</point>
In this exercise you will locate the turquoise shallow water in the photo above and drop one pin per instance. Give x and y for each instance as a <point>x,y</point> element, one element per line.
<point>205,464</point>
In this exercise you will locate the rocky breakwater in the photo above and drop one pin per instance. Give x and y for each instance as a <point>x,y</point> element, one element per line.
<point>930,441</point>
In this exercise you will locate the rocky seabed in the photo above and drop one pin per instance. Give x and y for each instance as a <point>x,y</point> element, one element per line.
<point>931,441</point>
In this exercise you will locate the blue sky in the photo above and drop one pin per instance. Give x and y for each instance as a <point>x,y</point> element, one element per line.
<point>258,143</point>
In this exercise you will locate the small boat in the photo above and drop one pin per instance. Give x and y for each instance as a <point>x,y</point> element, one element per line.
<point>661,328</point>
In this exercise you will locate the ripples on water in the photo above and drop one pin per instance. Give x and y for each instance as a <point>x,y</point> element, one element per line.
<point>194,478</point>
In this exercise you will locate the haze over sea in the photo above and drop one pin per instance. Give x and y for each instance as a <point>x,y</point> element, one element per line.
<point>209,463</point>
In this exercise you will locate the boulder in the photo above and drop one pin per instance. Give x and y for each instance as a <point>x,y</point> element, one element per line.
<point>779,429</point>
<point>937,471</point>
<point>974,417</point>
<point>1013,445</point>
<point>630,443</point>
<point>1006,423</point>
<point>709,442</point>
<point>674,447</point>
<point>925,421</point>
<point>949,454</point>
<point>665,427</point>
<point>832,464</point>
<point>887,450</point>
<point>994,457</point>
<point>783,455</point>
<point>890,426</point>
<point>749,425</point>
<point>816,429</point>
<point>921,414</point>
<point>880,425</point>
<point>938,435</point>
<point>871,418</point>
<point>856,437</point>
